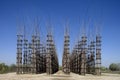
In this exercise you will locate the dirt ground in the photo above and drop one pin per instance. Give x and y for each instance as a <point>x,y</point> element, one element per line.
<point>58,76</point>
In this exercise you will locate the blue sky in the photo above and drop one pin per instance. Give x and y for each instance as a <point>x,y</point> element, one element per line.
<point>105,13</point>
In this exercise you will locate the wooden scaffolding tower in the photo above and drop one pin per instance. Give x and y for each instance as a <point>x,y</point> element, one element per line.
<point>38,57</point>
<point>51,56</point>
<point>98,55</point>
<point>82,59</point>
<point>66,54</point>
<point>19,53</point>
<point>33,56</point>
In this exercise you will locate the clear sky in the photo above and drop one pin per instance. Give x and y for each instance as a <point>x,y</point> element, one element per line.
<point>105,13</point>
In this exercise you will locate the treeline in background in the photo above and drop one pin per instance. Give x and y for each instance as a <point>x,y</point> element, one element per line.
<point>113,68</point>
<point>7,68</point>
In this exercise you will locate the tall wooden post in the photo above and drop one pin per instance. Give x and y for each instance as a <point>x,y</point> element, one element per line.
<point>83,55</point>
<point>98,55</point>
<point>19,53</point>
<point>66,55</point>
<point>33,57</point>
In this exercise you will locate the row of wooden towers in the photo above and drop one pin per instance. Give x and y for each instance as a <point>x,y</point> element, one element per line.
<point>85,57</point>
<point>35,57</point>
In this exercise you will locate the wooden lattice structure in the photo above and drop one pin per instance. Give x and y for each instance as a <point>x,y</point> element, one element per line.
<point>52,65</point>
<point>19,53</point>
<point>86,57</point>
<point>98,55</point>
<point>36,57</point>
<point>66,54</point>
